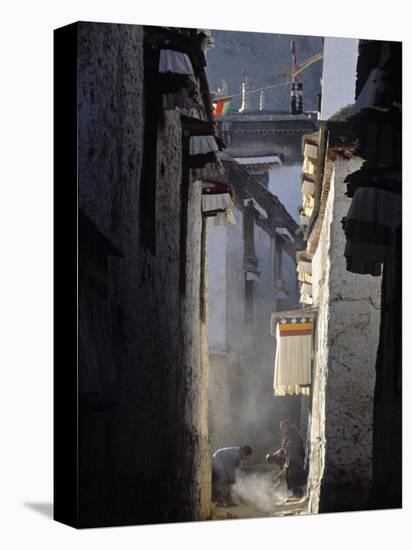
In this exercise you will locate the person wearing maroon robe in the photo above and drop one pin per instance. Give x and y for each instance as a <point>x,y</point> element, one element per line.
<point>295,451</point>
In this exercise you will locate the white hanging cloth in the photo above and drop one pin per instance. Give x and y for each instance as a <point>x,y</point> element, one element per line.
<point>304,267</point>
<point>201,145</point>
<point>175,62</point>
<point>308,204</point>
<point>293,356</point>
<point>306,299</point>
<point>217,201</point>
<point>305,277</point>
<point>311,151</point>
<point>309,166</point>
<point>308,187</point>
<point>306,288</point>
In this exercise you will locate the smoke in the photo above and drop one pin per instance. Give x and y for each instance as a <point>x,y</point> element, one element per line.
<point>259,490</point>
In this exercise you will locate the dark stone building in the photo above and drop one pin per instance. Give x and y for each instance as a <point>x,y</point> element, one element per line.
<point>142,441</point>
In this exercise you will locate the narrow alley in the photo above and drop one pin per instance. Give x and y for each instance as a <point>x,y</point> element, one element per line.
<point>239,261</point>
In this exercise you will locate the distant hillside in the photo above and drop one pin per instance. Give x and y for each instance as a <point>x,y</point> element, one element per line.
<point>263,57</point>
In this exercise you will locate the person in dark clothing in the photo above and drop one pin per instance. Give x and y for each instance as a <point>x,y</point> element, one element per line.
<point>225,462</point>
<point>295,452</point>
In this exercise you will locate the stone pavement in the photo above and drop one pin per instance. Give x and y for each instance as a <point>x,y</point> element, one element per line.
<point>289,507</point>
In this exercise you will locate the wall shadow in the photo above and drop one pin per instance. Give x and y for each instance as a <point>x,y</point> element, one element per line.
<point>43,508</point>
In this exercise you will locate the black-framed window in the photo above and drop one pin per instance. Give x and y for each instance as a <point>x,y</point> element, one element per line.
<point>249,299</point>
<point>249,238</point>
<point>278,263</point>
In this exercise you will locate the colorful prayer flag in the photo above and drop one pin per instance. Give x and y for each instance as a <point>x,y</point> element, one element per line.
<point>221,106</point>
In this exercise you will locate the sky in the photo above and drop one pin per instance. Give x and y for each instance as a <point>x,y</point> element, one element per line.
<point>263,57</point>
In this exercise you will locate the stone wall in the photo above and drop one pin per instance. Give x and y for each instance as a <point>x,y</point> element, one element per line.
<point>345,352</point>
<point>146,459</point>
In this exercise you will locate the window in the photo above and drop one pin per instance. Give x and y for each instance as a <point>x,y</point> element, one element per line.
<point>249,239</point>
<point>249,291</point>
<point>278,263</point>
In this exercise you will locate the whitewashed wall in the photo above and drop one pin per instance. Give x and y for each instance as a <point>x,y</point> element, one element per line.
<point>242,407</point>
<point>217,284</point>
<point>285,183</point>
<point>346,346</point>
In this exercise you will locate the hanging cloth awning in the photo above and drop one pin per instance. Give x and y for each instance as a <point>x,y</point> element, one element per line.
<point>305,278</point>
<point>306,288</point>
<point>376,205</point>
<point>308,204</point>
<point>293,355</point>
<point>372,217</point>
<point>202,145</point>
<point>306,293</point>
<point>311,151</point>
<point>175,62</point>
<point>216,201</point>
<point>304,267</point>
<point>309,314</point>
<point>308,187</point>
<point>212,188</point>
<point>306,299</point>
<point>203,151</point>
<point>309,166</point>
<point>177,82</point>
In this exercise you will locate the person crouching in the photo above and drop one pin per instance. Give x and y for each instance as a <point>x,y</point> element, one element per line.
<point>225,462</point>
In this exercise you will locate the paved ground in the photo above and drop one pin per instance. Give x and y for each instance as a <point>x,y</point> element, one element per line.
<point>291,507</point>
<point>260,491</point>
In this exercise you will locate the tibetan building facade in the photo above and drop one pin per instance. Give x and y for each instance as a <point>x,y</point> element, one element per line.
<point>352,168</point>
<point>146,139</point>
<point>345,340</point>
